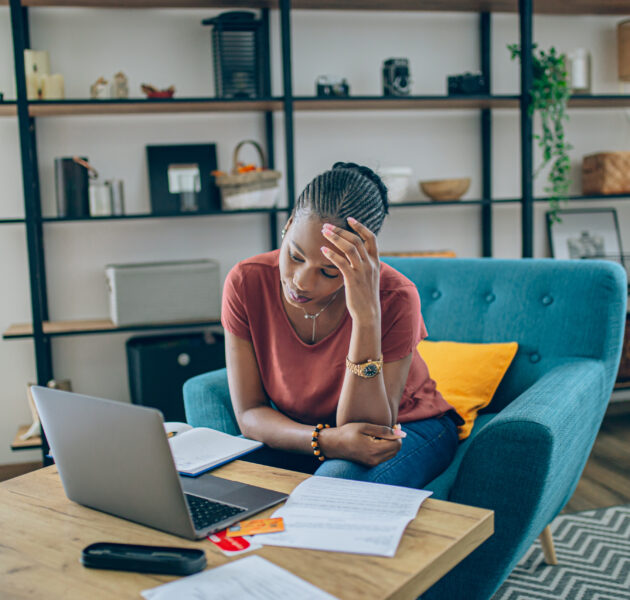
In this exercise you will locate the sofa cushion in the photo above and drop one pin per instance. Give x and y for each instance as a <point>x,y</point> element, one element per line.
<point>467,375</point>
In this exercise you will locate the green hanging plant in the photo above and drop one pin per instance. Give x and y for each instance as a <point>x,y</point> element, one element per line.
<point>549,95</point>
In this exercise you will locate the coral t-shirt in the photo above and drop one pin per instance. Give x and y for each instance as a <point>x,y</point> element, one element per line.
<point>304,380</point>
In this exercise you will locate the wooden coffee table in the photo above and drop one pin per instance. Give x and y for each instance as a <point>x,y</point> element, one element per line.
<point>43,534</point>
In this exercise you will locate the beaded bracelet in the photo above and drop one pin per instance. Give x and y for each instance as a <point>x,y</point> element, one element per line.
<point>315,442</point>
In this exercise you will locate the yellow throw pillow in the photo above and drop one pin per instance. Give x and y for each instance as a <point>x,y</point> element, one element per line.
<point>467,375</point>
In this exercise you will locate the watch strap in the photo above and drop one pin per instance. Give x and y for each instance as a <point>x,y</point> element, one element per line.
<point>368,369</point>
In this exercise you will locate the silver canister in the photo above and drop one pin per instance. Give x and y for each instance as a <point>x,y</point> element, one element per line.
<point>117,193</point>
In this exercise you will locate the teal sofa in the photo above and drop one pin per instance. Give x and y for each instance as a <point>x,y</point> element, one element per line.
<point>527,450</point>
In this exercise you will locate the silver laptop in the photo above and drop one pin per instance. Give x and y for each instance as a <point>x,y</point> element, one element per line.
<point>115,457</point>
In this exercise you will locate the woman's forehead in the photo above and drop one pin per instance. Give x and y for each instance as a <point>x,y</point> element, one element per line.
<point>312,220</point>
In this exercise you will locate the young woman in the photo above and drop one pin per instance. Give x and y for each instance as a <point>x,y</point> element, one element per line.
<point>321,346</point>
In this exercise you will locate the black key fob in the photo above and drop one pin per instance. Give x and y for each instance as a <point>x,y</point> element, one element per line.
<point>164,560</point>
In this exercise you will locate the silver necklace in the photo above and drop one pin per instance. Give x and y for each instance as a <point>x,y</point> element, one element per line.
<point>314,317</point>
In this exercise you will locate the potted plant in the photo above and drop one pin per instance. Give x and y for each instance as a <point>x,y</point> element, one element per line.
<point>549,95</point>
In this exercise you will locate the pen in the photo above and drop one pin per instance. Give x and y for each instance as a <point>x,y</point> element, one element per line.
<point>171,434</point>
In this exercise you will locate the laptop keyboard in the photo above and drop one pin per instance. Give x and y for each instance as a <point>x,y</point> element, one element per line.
<point>205,512</point>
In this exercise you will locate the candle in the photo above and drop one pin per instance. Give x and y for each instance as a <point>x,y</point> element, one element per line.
<point>53,87</point>
<point>33,86</point>
<point>36,61</point>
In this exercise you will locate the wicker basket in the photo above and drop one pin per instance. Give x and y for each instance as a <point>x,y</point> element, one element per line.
<point>253,189</point>
<point>606,173</point>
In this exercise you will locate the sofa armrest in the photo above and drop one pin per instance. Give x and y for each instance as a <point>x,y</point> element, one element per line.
<point>524,464</point>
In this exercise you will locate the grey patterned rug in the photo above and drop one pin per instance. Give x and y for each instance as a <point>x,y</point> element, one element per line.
<point>593,550</point>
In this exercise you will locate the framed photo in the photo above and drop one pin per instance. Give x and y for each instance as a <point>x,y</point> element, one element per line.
<point>180,179</point>
<point>585,233</point>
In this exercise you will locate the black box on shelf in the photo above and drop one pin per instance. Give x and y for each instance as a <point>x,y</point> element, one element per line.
<point>159,366</point>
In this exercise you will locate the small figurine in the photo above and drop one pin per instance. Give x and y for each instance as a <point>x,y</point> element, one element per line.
<point>154,93</point>
<point>99,89</point>
<point>120,86</point>
<point>34,429</point>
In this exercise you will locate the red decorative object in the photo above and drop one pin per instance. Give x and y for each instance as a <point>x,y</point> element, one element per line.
<point>154,93</point>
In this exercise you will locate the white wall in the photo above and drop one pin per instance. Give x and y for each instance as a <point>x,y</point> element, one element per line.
<point>165,47</point>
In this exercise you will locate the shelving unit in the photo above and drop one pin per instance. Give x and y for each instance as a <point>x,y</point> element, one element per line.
<point>61,108</point>
<point>551,7</point>
<point>8,109</point>
<point>213,213</point>
<point>92,326</point>
<point>42,329</point>
<point>30,444</point>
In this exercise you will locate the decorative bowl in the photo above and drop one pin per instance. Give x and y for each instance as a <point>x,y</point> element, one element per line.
<point>445,189</point>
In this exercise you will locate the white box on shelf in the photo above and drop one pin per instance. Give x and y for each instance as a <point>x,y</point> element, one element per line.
<point>164,292</point>
<point>263,198</point>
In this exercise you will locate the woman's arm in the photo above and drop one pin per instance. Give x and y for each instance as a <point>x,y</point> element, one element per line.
<point>259,421</point>
<point>256,419</point>
<point>374,400</point>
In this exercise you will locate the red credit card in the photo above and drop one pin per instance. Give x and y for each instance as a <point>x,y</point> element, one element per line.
<point>230,546</point>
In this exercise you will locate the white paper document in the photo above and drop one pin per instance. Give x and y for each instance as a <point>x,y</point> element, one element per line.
<point>339,515</point>
<point>248,578</point>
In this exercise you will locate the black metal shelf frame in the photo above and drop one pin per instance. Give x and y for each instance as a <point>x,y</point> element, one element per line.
<point>34,220</point>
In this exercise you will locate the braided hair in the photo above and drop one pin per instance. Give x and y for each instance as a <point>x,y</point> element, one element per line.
<point>347,190</point>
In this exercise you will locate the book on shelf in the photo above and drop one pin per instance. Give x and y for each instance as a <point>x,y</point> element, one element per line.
<point>199,449</point>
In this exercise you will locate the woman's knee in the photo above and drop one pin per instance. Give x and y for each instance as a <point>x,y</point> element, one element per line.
<point>343,469</point>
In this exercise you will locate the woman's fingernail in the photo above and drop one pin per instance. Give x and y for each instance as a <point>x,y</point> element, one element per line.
<point>399,433</point>
<point>352,220</point>
<point>325,250</point>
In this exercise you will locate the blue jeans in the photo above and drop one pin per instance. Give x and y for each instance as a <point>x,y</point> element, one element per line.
<point>427,450</point>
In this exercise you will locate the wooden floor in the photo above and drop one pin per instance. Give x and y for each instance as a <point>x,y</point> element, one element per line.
<point>10,471</point>
<point>606,477</point>
<point>605,481</point>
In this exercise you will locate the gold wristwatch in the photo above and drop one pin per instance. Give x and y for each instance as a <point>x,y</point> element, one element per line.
<point>368,369</point>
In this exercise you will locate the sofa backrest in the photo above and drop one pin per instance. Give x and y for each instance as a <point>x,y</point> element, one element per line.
<point>555,309</point>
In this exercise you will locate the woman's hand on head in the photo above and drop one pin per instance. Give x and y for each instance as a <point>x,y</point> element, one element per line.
<point>356,257</point>
<point>364,443</point>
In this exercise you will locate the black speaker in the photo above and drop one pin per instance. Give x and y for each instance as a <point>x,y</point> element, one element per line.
<point>159,365</point>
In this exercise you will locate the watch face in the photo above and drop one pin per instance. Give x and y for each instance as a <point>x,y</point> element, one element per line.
<point>370,370</point>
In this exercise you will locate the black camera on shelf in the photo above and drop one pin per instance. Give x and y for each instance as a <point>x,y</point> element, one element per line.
<point>467,84</point>
<point>396,77</point>
<point>331,86</point>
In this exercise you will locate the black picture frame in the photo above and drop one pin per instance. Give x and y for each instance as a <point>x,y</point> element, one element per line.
<point>585,233</point>
<point>163,202</point>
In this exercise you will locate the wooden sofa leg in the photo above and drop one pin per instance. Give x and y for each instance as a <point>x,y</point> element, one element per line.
<point>547,545</point>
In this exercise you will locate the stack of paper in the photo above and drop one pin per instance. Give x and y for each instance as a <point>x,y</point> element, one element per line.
<point>338,515</point>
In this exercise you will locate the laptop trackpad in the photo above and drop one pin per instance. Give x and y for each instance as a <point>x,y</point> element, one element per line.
<point>209,486</point>
<point>231,492</point>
